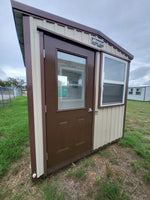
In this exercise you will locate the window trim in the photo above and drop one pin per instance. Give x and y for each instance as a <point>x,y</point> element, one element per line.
<point>138,92</point>
<point>130,91</point>
<point>102,81</point>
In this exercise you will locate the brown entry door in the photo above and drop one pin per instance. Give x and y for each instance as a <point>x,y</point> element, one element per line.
<point>69,100</point>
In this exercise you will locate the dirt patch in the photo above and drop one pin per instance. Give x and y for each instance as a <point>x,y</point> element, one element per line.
<point>19,185</point>
<point>147,136</point>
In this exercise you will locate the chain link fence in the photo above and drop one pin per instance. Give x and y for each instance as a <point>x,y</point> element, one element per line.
<point>7,95</point>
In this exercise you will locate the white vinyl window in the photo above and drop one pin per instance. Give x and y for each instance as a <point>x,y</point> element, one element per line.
<point>113,82</point>
<point>130,91</point>
<point>138,91</point>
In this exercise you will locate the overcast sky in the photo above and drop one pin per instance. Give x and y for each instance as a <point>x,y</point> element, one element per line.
<point>125,22</point>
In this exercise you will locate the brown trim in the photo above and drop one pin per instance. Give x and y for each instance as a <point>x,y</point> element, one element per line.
<point>94,97</point>
<point>27,50</point>
<point>47,16</point>
<point>126,93</point>
<point>43,102</point>
<point>100,79</point>
<point>61,37</point>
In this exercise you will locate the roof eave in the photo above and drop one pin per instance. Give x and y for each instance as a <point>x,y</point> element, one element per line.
<point>30,11</point>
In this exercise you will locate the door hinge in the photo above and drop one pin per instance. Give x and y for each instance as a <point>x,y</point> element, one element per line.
<point>45,109</point>
<point>46,156</point>
<point>43,53</point>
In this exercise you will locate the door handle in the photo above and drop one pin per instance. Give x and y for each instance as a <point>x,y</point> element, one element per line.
<point>90,110</point>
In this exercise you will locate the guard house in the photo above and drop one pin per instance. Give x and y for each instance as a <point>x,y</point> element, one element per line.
<point>77,83</point>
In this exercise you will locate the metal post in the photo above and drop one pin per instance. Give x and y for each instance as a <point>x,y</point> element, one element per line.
<point>9,95</point>
<point>14,92</point>
<point>2,96</point>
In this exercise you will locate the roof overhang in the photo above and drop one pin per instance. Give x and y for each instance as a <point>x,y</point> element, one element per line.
<point>20,10</point>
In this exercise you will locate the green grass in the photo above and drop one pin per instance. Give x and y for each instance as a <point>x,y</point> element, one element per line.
<point>5,102</point>
<point>80,170</point>
<point>14,136</point>
<point>109,172</point>
<point>137,128</point>
<point>147,177</point>
<point>87,162</point>
<point>111,190</point>
<point>102,153</point>
<point>14,132</point>
<point>134,166</point>
<point>75,171</point>
<point>50,192</point>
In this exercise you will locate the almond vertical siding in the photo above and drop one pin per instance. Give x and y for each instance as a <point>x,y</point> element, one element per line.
<point>108,121</point>
<point>108,125</point>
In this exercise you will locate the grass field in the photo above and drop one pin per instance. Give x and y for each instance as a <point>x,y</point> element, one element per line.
<point>14,132</point>
<point>137,135</point>
<point>119,172</point>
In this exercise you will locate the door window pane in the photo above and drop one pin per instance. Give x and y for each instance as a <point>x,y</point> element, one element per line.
<point>71,81</point>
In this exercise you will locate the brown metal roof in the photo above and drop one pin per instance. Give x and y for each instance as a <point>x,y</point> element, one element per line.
<point>30,11</point>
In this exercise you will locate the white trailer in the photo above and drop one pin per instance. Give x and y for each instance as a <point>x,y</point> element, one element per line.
<point>141,93</point>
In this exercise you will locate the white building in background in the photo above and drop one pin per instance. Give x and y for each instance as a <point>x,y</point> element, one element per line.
<point>141,93</point>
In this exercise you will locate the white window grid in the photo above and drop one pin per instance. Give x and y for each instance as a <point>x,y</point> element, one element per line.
<point>103,80</point>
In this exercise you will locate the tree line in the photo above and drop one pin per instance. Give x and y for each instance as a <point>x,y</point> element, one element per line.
<point>13,82</point>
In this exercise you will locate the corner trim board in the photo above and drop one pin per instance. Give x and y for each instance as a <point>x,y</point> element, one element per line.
<point>41,37</point>
<point>28,64</point>
<point>126,93</point>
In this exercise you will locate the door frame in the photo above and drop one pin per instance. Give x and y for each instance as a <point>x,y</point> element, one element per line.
<point>41,38</point>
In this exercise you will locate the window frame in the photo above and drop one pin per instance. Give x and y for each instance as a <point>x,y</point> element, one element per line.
<point>102,81</point>
<point>130,91</point>
<point>138,92</point>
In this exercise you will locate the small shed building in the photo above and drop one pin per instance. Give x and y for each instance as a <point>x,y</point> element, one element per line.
<point>140,93</point>
<point>77,83</point>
